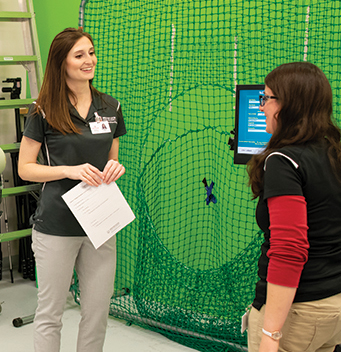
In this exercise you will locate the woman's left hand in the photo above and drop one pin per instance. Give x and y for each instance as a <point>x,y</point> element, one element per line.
<point>113,171</point>
<point>268,344</point>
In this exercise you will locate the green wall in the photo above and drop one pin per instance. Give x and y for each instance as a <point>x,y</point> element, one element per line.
<point>51,18</point>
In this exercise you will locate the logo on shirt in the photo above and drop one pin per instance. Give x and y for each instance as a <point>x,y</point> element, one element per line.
<point>110,119</point>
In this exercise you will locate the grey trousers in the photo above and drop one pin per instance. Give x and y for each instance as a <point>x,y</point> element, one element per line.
<point>310,327</point>
<point>56,257</point>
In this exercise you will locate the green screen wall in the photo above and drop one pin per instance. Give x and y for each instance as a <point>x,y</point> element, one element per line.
<point>51,18</point>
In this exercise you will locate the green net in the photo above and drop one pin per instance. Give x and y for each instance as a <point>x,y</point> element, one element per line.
<point>185,268</point>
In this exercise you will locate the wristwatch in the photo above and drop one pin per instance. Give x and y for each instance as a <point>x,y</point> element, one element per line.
<point>276,335</point>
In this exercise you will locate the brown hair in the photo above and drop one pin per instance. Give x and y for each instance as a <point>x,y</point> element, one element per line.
<point>305,115</point>
<point>54,93</point>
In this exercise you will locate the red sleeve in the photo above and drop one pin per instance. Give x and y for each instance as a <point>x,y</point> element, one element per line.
<point>288,240</point>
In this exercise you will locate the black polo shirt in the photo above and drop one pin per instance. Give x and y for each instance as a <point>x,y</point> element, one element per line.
<point>52,215</point>
<point>305,171</point>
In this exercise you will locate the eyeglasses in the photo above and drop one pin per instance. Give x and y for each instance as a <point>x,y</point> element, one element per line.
<point>264,98</point>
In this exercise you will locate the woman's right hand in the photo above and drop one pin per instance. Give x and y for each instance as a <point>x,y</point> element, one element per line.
<point>30,170</point>
<point>86,173</point>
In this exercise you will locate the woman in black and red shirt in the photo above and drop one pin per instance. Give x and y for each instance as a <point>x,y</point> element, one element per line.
<point>297,179</point>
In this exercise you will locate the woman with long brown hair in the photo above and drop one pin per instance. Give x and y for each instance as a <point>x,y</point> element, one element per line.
<point>62,127</point>
<point>297,180</point>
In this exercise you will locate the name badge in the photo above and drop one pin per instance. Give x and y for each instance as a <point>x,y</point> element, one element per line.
<point>99,127</point>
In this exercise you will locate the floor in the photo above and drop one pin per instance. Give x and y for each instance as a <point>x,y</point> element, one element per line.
<point>18,300</point>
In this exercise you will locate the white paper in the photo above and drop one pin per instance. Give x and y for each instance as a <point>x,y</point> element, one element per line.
<point>101,211</point>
